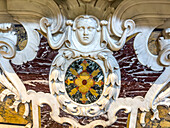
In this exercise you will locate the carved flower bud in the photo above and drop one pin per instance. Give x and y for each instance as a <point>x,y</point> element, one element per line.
<point>46,21</point>
<point>166,33</point>
<point>94,110</point>
<point>164,54</point>
<point>68,54</point>
<point>63,100</point>
<point>72,108</point>
<point>110,64</point>
<point>103,23</point>
<point>69,22</point>
<point>5,26</point>
<point>54,75</point>
<point>110,92</point>
<point>60,61</point>
<point>102,56</point>
<point>112,78</point>
<point>57,87</point>
<point>103,103</point>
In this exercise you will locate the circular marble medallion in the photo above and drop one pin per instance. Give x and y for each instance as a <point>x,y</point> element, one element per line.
<point>84,81</point>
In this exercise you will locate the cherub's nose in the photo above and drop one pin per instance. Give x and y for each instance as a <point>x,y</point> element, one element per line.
<point>85,31</point>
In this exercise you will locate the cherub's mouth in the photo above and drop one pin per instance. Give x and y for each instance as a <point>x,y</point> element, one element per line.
<point>85,37</point>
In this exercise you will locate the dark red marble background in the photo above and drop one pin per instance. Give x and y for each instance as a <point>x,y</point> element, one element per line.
<point>135,81</point>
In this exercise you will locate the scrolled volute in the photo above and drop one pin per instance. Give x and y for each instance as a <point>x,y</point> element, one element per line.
<point>57,39</point>
<point>109,39</point>
<point>164,54</point>
<point>7,41</point>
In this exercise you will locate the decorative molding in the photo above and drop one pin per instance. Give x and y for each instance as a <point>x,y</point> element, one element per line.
<point>83,41</point>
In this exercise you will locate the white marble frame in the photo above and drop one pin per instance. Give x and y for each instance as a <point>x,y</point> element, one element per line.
<point>98,107</point>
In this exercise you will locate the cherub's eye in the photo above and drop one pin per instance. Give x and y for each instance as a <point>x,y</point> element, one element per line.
<point>90,28</point>
<point>80,28</point>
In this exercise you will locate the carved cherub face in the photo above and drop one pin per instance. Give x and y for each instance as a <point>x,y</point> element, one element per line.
<point>86,30</point>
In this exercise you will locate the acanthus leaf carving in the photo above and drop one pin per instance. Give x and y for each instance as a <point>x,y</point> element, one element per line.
<point>141,49</point>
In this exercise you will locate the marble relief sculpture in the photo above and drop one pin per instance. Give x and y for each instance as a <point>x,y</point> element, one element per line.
<point>84,50</point>
<point>85,77</point>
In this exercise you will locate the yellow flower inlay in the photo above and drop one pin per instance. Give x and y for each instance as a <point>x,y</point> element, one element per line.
<point>84,81</point>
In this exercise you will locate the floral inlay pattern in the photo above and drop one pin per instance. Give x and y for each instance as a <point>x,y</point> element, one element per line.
<point>84,81</point>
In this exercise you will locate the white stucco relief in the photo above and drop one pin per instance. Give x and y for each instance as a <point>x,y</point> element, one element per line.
<point>85,37</point>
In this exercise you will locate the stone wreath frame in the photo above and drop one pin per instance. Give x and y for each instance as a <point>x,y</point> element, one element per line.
<point>52,22</point>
